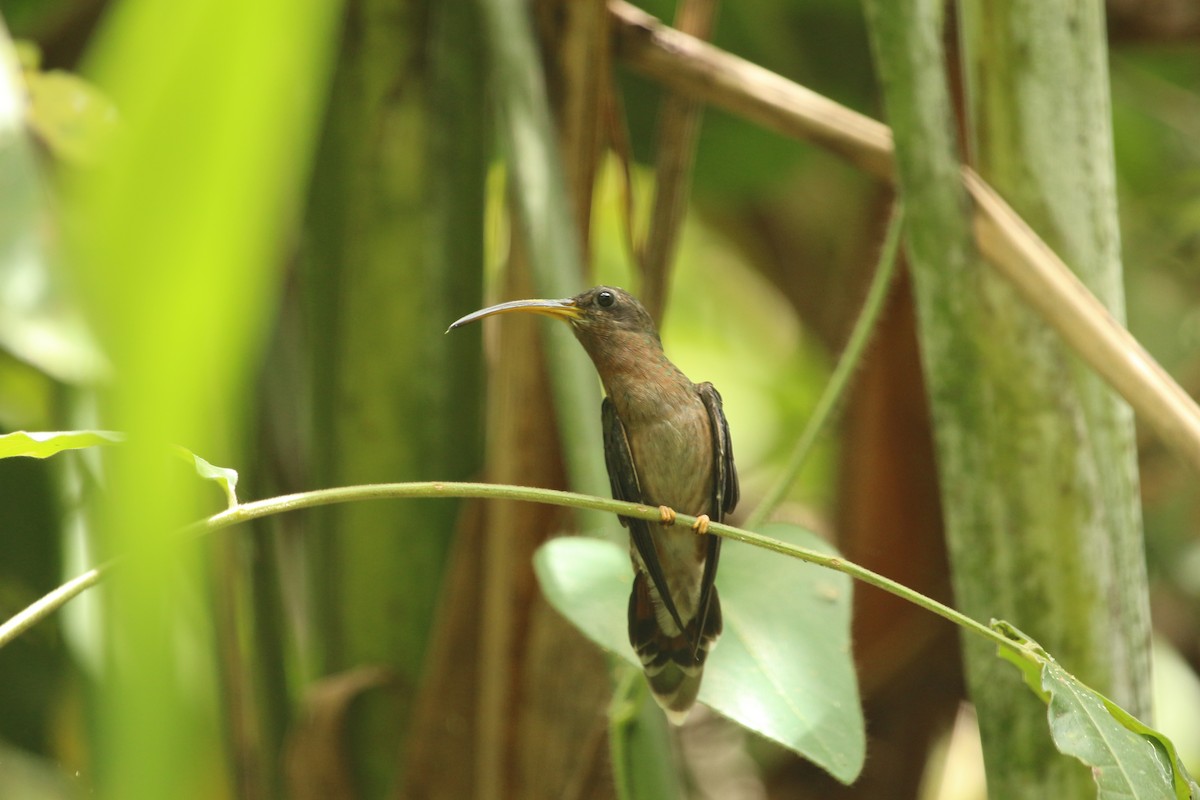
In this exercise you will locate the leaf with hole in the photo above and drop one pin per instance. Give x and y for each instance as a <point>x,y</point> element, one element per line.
<point>1128,759</point>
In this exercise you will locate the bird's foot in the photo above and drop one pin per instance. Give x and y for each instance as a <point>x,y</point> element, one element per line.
<point>666,516</point>
<point>700,526</point>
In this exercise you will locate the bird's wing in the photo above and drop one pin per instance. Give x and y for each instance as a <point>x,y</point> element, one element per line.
<point>623,477</point>
<point>725,495</point>
<point>726,491</point>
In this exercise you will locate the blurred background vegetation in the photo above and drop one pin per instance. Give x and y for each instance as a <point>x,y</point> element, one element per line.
<point>319,196</point>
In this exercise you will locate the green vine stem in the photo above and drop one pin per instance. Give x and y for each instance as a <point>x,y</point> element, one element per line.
<point>840,379</point>
<point>245,512</point>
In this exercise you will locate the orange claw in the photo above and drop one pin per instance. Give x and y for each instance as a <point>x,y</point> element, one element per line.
<point>700,526</point>
<point>666,515</point>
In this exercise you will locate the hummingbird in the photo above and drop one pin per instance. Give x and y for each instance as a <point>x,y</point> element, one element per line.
<point>666,444</point>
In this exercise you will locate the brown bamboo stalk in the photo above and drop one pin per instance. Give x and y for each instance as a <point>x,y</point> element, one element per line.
<point>695,68</point>
<point>678,128</point>
<point>586,70</point>
<point>706,73</point>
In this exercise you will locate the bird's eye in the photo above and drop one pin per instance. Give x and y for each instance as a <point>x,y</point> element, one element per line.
<point>605,299</point>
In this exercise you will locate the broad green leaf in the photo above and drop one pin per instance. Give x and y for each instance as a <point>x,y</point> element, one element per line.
<point>588,582</point>
<point>182,223</point>
<point>783,666</point>
<point>43,444</point>
<point>1128,759</point>
<point>39,322</point>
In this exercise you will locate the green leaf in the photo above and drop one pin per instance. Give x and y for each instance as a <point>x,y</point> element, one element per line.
<point>783,666</point>
<point>588,582</point>
<point>226,477</point>
<point>43,444</point>
<point>73,118</point>
<point>1028,657</point>
<point>39,320</point>
<point>1128,758</point>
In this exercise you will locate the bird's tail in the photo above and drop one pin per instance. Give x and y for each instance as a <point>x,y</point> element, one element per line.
<point>674,664</point>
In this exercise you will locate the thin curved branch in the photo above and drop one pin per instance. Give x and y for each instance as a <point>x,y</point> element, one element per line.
<point>51,602</point>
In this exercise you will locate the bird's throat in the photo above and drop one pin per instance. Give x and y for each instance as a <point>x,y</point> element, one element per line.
<point>641,381</point>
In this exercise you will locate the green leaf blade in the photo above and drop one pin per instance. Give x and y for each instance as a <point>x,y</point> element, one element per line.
<point>1124,764</point>
<point>40,322</point>
<point>1128,759</point>
<point>783,666</point>
<point>43,444</point>
<point>588,581</point>
<point>224,477</point>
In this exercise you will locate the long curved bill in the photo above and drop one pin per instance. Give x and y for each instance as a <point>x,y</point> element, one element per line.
<point>560,309</point>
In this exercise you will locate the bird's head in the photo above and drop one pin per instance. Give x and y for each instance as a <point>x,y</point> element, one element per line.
<point>601,316</point>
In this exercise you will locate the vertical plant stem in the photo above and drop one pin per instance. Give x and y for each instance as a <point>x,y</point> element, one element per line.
<point>585,57</point>
<point>639,740</point>
<point>1039,121</point>
<point>860,335</point>
<point>530,147</point>
<point>543,215</point>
